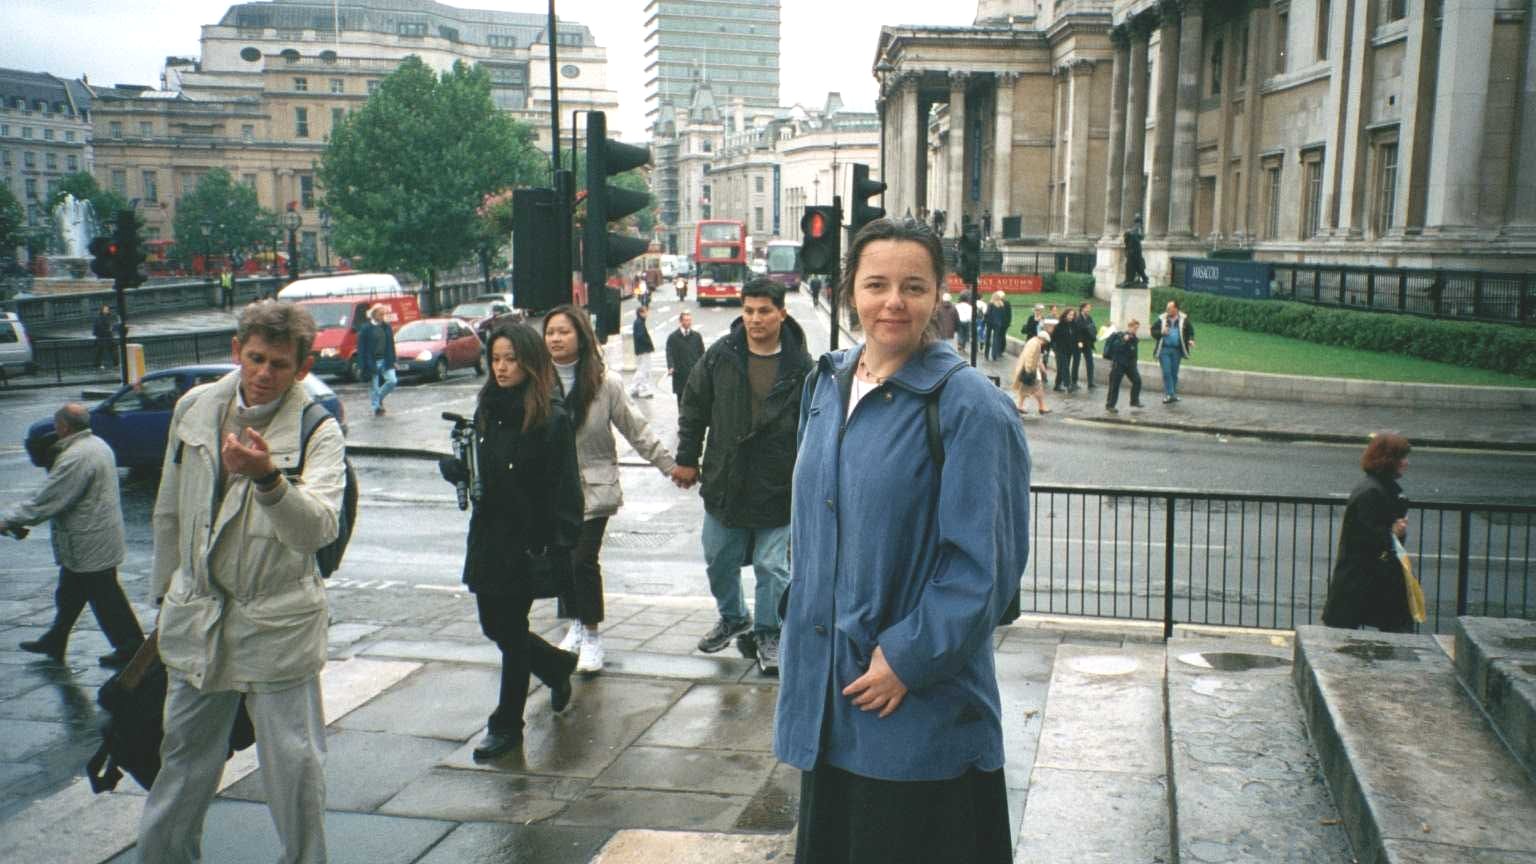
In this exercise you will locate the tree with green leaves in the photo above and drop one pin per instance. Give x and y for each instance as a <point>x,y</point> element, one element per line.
<point>83,186</point>
<point>405,176</point>
<point>235,222</point>
<point>13,223</point>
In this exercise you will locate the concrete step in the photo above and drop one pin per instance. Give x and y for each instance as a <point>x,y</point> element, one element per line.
<point>1098,791</point>
<point>1246,783</point>
<point>1418,773</point>
<point>1496,659</point>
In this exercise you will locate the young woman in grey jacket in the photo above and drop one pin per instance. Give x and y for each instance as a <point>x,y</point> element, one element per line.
<point>597,402</point>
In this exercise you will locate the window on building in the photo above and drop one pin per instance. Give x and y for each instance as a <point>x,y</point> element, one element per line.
<point>151,186</point>
<point>568,39</point>
<point>500,41</point>
<point>69,136</point>
<point>248,132</point>
<point>757,184</point>
<point>1312,193</point>
<point>707,146</point>
<point>31,188</point>
<point>53,188</point>
<point>1272,200</point>
<point>1397,9</point>
<point>115,129</point>
<point>146,129</point>
<point>1386,186</point>
<point>413,28</point>
<point>338,117</point>
<point>338,85</point>
<point>29,159</point>
<point>5,130</point>
<point>5,158</point>
<point>248,180</point>
<point>51,161</point>
<point>301,122</point>
<point>757,219</point>
<point>120,182</point>
<point>26,132</point>
<point>1324,13</point>
<point>1214,87</point>
<point>47,134</point>
<point>1282,35</point>
<point>300,84</point>
<point>373,86</point>
<point>307,191</point>
<point>72,163</point>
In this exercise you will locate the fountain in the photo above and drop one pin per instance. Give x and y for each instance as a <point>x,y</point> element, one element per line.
<point>74,224</point>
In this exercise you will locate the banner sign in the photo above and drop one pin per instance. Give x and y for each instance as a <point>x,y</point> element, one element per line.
<point>1009,283</point>
<point>1245,279</point>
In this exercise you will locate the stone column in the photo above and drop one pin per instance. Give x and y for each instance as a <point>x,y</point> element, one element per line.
<point>1135,126</point>
<point>1162,140</point>
<point>1461,98</point>
<point>1248,220</point>
<point>1350,47</point>
<point>1186,159</point>
<point>1002,152</point>
<point>1522,210</point>
<point>1080,84</point>
<point>954,206</point>
<point>914,134</point>
<point>1114,176</point>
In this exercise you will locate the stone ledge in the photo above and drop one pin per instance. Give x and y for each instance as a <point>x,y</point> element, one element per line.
<point>1496,659</point>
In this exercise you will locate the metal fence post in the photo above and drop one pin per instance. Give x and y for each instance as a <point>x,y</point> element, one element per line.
<point>1168,570</point>
<point>1463,560</point>
<point>1402,290</point>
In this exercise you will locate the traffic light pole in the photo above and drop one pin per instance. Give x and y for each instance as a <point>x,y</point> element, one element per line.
<point>833,306</point>
<point>120,288</point>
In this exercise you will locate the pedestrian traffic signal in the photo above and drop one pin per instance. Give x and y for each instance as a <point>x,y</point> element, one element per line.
<point>864,189</point>
<point>821,246</point>
<point>104,257</point>
<point>600,248</point>
<point>970,253</point>
<point>129,257</point>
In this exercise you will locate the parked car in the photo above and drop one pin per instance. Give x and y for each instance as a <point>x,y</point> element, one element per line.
<point>15,346</point>
<point>137,418</point>
<point>494,298</point>
<point>482,315</point>
<point>431,347</point>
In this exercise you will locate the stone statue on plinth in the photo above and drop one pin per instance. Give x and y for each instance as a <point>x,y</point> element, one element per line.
<point>1135,264</point>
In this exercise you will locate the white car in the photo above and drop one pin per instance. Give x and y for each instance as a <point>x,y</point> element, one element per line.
<point>15,346</point>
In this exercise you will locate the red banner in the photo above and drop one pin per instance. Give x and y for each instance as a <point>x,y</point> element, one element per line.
<point>1009,283</point>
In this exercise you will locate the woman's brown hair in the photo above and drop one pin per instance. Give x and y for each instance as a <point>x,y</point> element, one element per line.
<point>533,355</point>
<point>589,362</point>
<point>1384,452</point>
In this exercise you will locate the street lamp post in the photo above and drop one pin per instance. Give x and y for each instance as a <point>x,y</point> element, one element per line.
<point>292,220</point>
<point>205,227</point>
<point>325,229</point>
<point>816,189</point>
<point>274,233</point>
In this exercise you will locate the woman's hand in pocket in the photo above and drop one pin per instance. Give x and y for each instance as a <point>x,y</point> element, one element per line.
<point>878,689</point>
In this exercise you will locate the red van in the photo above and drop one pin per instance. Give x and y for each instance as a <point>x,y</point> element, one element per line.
<point>340,306</point>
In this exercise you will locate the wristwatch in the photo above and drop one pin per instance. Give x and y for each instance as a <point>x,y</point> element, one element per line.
<point>267,481</point>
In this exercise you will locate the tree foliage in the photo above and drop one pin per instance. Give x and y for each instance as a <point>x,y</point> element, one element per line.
<point>405,175</point>
<point>13,223</point>
<point>84,187</point>
<point>236,223</point>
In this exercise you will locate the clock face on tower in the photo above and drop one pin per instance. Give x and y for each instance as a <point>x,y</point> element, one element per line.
<point>570,71</point>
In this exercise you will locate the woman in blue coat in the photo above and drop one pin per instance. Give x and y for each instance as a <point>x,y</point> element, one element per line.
<point>902,564</point>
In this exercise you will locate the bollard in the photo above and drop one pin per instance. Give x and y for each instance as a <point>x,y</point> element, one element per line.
<point>135,362</point>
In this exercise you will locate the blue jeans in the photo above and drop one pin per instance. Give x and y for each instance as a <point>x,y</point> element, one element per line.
<point>381,383</point>
<point>724,549</point>
<point>1169,361</point>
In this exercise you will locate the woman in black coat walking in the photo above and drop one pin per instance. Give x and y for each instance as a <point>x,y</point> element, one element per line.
<point>531,505</point>
<point>999,319</point>
<point>1064,346</point>
<point>1368,587</point>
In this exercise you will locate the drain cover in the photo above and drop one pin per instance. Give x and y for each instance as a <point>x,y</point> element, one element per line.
<point>1231,661</point>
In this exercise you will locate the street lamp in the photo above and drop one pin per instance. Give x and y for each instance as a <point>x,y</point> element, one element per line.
<point>274,234</point>
<point>816,189</point>
<point>325,228</point>
<point>206,227</point>
<point>292,220</point>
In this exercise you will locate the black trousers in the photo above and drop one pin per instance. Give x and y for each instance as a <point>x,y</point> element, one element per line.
<point>849,819</point>
<point>1064,376</point>
<point>108,604</point>
<point>106,345</point>
<point>585,602</point>
<point>1118,371</point>
<point>1086,352</point>
<point>504,620</point>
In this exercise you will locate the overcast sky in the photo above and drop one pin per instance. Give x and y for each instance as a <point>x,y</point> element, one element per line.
<point>826,44</point>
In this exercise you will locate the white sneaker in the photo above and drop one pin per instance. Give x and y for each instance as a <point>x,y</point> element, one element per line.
<point>572,640</point>
<point>591,659</point>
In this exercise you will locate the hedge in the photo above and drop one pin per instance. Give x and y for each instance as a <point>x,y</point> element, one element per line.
<point>1065,282</point>
<point>1498,347</point>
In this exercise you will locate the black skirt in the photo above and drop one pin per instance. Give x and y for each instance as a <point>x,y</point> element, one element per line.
<point>849,819</point>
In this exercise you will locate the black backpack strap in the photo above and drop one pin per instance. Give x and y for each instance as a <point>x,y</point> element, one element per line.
<point>935,436</point>
<point>314,415</point>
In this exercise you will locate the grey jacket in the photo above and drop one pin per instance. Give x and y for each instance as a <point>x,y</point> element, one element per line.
<point>597,451</point>
<point>81,498</point>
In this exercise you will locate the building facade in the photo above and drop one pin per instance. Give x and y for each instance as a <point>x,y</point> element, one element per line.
<point>45,134</point>
<point>275,77</point>
<point>734,44</point>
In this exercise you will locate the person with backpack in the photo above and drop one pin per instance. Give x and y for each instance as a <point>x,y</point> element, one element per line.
<point>1120,351</point>
<point>242,605</point>
<point>910,530</point>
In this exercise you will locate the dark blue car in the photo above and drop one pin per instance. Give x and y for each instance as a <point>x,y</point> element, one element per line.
<point>137,418</point>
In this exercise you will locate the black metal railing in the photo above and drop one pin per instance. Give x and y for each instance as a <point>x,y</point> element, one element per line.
<point>1260,561</point>
<point>76,360</point>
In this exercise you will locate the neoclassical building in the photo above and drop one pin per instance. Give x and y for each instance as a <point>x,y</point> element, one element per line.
<point>1368,132</point>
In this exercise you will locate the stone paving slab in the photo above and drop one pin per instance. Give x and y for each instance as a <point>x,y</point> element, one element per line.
<point>718,717</point>
<point>484,796</point>
<point>1409,758</point>
<point>363,769</point>
<point>1496,659</point>
<point>1247,785</point>
<point>687,770</point>
<point>493,843</point>
<point>648,808</point>
<point>674,847</point>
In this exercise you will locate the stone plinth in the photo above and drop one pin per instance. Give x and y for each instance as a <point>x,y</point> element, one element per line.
<point>1128,303</point>
<point>1108,268</point>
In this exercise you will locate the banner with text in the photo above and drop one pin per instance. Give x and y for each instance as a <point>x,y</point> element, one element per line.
<point>1008,283</point>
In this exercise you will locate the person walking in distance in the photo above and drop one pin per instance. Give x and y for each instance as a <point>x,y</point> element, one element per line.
<point>645,349</point>
<point>531,507</point>
<point>1032,323</point>
<point>745,395</point>
<point>1174,338</point>
<point>963,314</point>
<point>684,348</point>
<point>1029,374</point>
<point>947,318</point>
<point>103,330</point>
<point>243,608</point>
<point>595,400</point>
<point>1368,588</point>
<point>1087,338</point>
<point>908,544</point>
<point>81,499</point>
<point>1064,346</point>
<point>999,317</point>
<point>1120,348</point>
<point>376,357</point>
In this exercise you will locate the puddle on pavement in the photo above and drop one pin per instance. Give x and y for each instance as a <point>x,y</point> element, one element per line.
<point>1520,643</point>
<point>1104,664</point>
<point>1232,661</point>
<point>1371,651</point>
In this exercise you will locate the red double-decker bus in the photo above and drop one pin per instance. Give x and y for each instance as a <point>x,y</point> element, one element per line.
<point>720,259</point>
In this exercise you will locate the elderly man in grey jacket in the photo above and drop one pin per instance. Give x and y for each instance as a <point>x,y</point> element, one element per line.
<point>81,498</point>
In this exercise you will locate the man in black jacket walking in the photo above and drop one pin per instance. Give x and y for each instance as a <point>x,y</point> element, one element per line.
<point>640,387</point>
<point>1120,349</point>
<point>684,348</point>
<point>745,394</point>
<point>103,330</point>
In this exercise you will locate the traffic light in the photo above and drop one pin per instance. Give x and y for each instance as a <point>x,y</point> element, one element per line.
<point>129,257</point>
<point>536,278</point>
<point>970,253</point>
<point>821,246</point>
<point>601,249</point>
<point>104,257</point>
<point>864,189</point>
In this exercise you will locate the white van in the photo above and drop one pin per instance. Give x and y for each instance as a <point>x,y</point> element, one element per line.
<point>15,347</point>
<point>350,285</point>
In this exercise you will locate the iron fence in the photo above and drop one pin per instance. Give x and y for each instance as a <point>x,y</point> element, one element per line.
<point>1260,561</point>
<point>76,359</point>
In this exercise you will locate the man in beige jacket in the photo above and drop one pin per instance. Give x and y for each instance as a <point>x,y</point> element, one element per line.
<point>244,610</point>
